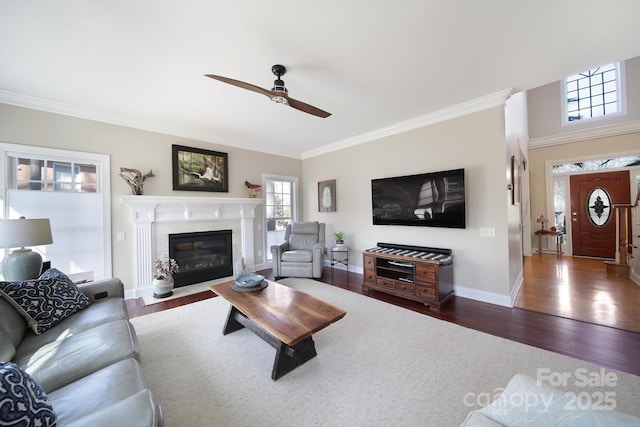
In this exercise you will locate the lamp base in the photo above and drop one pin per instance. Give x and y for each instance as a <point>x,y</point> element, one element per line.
<point>21,264</point>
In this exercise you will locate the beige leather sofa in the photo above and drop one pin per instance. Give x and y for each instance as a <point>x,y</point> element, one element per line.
<point>87,364</point>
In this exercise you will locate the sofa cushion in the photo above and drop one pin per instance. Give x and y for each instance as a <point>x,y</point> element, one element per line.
<point>7,350</point>
<point>297,256</point>
<point>137,410</point>
<point>96,314</point>
<point>22,401</point>
<point>61,362</point>
<point>304,235</point>
<point>12,322</point>
<point>527,402</point>
<point>45,301</point>
<point>99,390</point>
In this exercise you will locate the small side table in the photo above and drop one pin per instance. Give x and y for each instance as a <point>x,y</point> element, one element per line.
<point>556,234</point>
<point>339,255</point>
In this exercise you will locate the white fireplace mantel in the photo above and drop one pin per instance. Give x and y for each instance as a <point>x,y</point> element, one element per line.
<point>147,210</point>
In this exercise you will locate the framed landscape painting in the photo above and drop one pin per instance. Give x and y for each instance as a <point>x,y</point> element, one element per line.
<point>195,169</point>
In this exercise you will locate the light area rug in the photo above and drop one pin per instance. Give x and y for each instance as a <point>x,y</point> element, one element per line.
<point>380,365</point>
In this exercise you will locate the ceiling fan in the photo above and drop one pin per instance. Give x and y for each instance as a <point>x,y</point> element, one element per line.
<point>278,93</point>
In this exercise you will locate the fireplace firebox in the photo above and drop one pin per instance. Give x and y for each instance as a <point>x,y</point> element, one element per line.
<point>201,256</point>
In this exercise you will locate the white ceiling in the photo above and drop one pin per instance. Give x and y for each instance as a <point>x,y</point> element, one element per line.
<point>372,64</point>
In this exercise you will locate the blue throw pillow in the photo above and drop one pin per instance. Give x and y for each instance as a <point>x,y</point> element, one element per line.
<point>45,301</point>
<point>22,401</point>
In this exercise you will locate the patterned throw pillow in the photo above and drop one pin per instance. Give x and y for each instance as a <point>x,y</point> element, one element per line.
<point>22,401</point>
<point>45,301</point>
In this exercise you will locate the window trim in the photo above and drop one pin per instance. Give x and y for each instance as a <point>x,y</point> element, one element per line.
<point>103,167</point>
<point>621,87</point>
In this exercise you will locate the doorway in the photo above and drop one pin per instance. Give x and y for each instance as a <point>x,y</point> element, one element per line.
<point>593,224</point>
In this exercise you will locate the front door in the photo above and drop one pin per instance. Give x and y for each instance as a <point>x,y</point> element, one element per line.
<point>593,223</point>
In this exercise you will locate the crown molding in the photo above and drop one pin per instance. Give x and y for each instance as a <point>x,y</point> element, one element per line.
<point>468,107</point>
<point>584,135</point>
<point>57,107</point>
<point>489,101</point>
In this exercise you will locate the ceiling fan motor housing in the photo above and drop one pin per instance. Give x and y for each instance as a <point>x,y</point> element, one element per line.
<point>278,84</point>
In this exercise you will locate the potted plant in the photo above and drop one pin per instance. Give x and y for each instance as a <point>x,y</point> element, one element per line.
<point>339,237</point>
<point>163,276</point>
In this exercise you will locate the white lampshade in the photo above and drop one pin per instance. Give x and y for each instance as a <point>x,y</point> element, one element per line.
<point>22,264</point>
<point>18,233</point>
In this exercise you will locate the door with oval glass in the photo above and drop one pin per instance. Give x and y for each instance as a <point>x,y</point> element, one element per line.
<point>593,223</point>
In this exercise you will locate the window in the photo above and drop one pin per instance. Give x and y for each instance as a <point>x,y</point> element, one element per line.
<point>559,207</point>
<point>51,175</point>
<point>280,208</point>
<point>72,190</point>
<point>593,93</point>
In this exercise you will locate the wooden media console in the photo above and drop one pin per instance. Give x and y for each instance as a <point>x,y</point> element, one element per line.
<point>413,272</point>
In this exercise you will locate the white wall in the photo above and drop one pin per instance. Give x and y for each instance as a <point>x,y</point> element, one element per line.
<point>475,142</point>
<point>516,133</point>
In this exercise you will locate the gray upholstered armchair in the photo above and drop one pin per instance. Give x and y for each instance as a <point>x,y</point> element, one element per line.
<point>302,252</point>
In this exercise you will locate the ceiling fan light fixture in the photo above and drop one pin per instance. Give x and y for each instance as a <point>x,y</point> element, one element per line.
<point>280,100</point>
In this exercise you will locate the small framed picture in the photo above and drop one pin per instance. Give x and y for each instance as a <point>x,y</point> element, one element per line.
<point>327,196</point>
<point>195,169</point>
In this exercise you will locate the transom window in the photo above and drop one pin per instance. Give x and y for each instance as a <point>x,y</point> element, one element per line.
<point>597,164</point>
<point>593,93</point>
<point>52,175</point>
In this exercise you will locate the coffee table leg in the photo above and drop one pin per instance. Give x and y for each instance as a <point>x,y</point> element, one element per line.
<point>288,358</point>
<point>232,323</point>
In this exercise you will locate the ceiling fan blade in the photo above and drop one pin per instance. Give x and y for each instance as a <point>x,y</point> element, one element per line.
<point>243,85</point>
<point>310,109</point>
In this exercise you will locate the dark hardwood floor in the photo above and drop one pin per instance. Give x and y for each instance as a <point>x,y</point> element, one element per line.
<point>607,346</point>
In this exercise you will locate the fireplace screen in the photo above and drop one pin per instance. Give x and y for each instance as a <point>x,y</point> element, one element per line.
<point>201,256</point>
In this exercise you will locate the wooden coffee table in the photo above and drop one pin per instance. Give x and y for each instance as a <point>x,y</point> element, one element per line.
<point>281,316</point>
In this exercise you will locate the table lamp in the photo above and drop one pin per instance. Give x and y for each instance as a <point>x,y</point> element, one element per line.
<point>23,264</point>
<point>542,220</point>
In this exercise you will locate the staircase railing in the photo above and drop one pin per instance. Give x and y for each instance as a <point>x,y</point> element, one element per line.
<point>624,239</point>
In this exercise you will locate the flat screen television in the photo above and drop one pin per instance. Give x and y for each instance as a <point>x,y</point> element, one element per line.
<point>434,199</point>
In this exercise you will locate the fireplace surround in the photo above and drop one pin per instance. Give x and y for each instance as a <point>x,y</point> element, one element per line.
<point>155,217</point>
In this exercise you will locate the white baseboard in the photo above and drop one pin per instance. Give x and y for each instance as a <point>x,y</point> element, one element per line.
<point>516,289</point>
<point>483,296</point>
<point>635,278</point>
